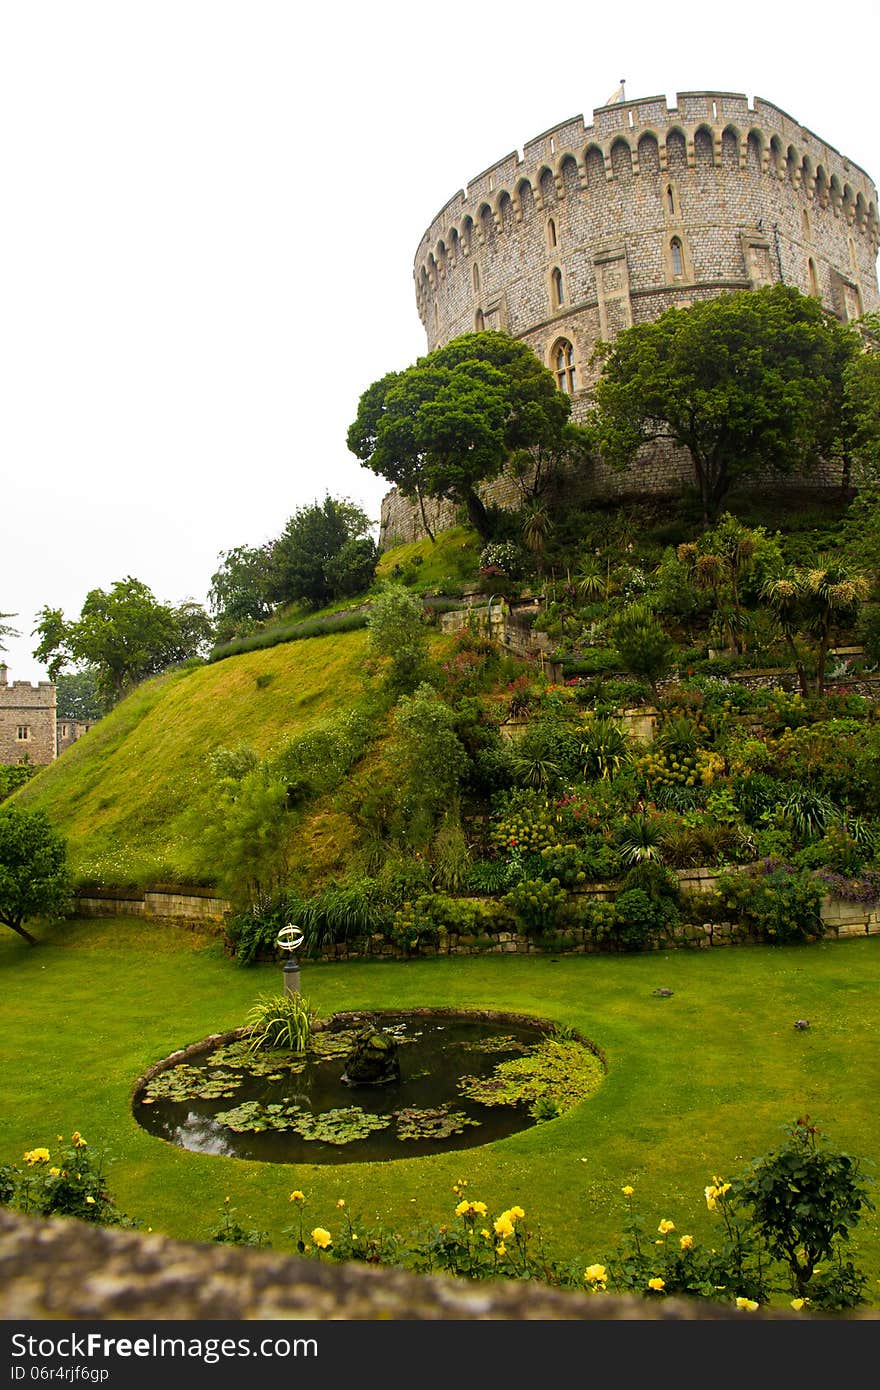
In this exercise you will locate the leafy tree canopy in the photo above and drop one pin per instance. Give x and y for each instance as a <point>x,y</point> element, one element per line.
<point>77,695</point>
<point>324,550</point>
<point>861,414</point>
<point>456,417</point>
<point>239,592</point>
<point>5,630</point>
<point>124,634</point>
<point>33,868</point>
<point>745,382</point>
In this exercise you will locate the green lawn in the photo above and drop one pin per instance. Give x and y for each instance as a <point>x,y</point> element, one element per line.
<point>698,1083</point>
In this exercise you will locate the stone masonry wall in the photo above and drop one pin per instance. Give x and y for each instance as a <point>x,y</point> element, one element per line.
<point>596,228</point>
<point>27,721</point>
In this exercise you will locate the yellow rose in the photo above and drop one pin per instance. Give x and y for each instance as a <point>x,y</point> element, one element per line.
<point>665,1227</point>
<point>748,1303</point>
<point>462,1208</point>
<point>686,1242</point>
<point>504,1226</point>
<point>297,1196</point>
<point>37,1156</point>
<point>627,1191</point>
<point>516,1213</point>
<point>321,1238</point>
<point>656,1284</point>
<point>797,1304</point>
<point>341,1203</point>
<point>595,1274</point>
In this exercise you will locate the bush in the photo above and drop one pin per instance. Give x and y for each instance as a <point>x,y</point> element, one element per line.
<point>538,906</point>
<point>633,922</point>
<point>13,776</point>
<point>775,902</point>
<point>69,1181</point>
<point>252,935</point>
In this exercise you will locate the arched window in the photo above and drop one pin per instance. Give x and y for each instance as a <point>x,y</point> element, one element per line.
<point>476,278</point>
<point>479,321</point>
<point>556,283</point>
<point>670,199</point>
<point>677,258</point>
<point>814,279</point>
<point>551,233</point>
<point>564,368</point>
<point>805,223</point>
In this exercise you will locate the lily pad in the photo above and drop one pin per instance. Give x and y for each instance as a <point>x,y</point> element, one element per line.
<point>341,1126</point>
<point>438,1123</point>
<point>565,1073</point>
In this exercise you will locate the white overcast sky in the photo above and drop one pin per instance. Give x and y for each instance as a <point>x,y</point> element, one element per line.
<point>209,214</point>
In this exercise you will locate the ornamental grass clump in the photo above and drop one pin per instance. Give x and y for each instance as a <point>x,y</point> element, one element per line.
<point>282,1021</point>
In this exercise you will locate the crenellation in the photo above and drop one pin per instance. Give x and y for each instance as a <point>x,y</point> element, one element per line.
<point>595,227</point>
<point>29,729</point>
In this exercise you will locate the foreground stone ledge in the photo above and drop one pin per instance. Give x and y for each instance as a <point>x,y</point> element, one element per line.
<point>61,1268</point>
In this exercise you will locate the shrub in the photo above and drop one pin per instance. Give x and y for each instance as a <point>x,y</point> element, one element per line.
<point>605,748</point>
<point>69,1181</point>
<point>252,935</point>
<point>777,903</point>
<point>633,922</point>
<point>537,905</point>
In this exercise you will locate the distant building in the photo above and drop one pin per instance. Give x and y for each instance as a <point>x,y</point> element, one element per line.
<point>30,731</point>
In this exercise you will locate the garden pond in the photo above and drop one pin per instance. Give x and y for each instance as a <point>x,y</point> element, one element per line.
<point>466,1079</point>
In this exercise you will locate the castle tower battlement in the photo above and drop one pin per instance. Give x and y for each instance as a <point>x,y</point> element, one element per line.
<point>596,227</point>
<point>27,721</point>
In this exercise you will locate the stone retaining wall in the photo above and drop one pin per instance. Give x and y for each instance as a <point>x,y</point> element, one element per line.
<point>841,918</point>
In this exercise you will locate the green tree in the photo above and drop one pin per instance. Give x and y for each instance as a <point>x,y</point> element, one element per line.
<point>725,561</point>
<point>124,634</point>
<point>306,559</point>
<point>6,630</point>
<point>77,695</point>
<point>245,832</point>
<point>815,605</point>
<point>397,629</point>
<point>428,752</point>
<point>745,382</point>
<point>239,592</point>
<point>805,1200</point>
<point>860,413</point>
<point>643,646</point>
<point>455,418</point>
<point>33,869</point>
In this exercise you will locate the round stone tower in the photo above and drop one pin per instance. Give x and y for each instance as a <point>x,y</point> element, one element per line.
<point>595,228</point>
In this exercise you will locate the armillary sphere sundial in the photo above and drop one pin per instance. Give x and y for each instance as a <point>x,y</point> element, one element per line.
<point>289,939</point>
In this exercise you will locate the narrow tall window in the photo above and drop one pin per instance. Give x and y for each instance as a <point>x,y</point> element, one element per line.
<point>814,279</point>
<point>670,199</point>
<point>551,233</point>
<point>479,321</point>
<point>677,258</point>
<point>476,278</point>
<point>24,731</point>
<point>556,281</point>
<point>564,367</point>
